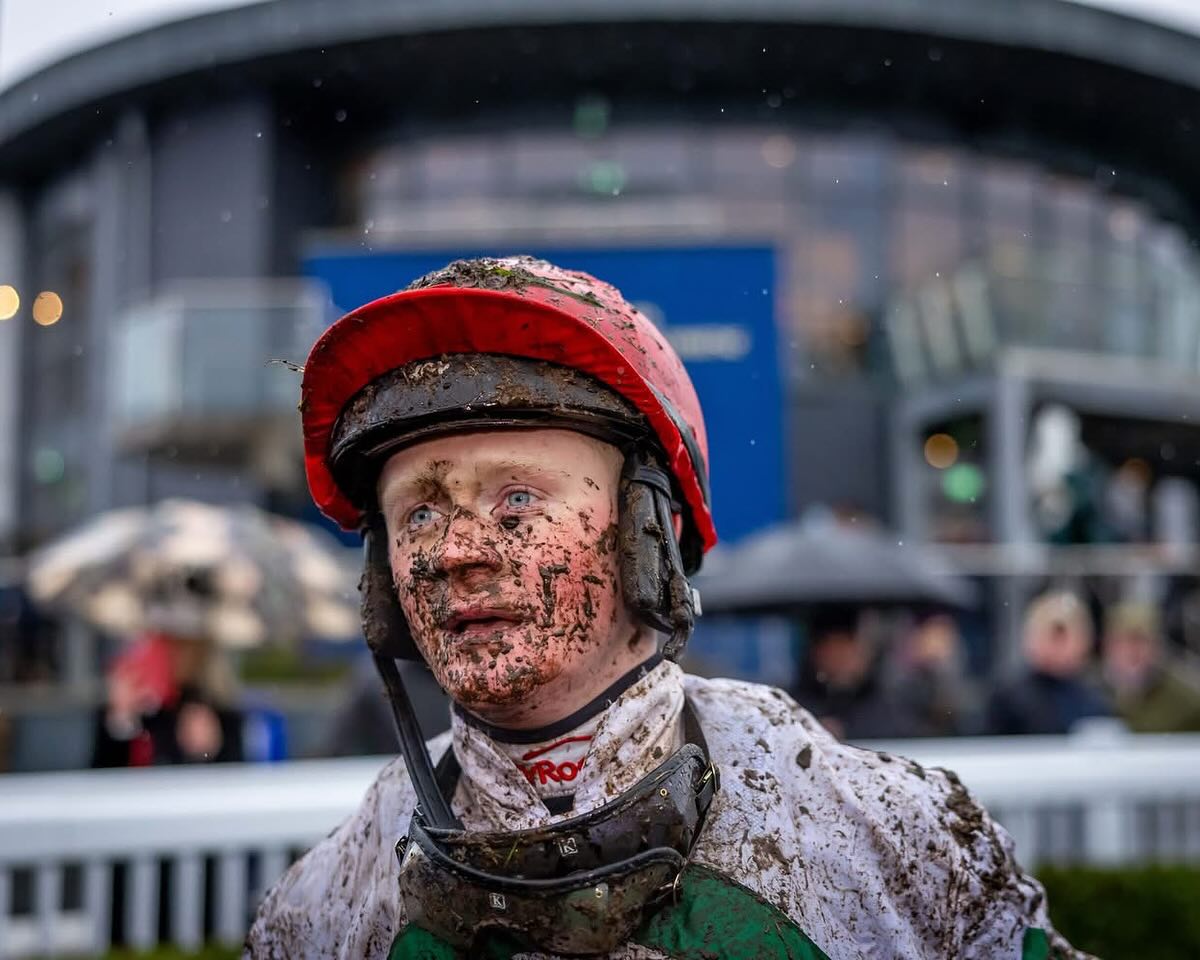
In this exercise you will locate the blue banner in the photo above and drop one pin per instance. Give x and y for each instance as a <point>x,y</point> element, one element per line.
<point>715,304</point>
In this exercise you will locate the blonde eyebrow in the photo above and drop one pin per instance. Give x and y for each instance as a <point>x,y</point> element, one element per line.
<point>528,466</point>
<point>424,484</point>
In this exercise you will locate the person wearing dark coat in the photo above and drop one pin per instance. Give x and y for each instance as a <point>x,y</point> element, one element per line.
<point>1051,693</point>
<point>168,703</point>
<point>841,680</point>
<point>928,674</point>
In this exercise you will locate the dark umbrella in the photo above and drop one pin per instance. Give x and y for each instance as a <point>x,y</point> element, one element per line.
<point>805,564</point>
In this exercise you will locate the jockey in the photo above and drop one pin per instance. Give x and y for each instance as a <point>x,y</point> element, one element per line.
<point>527,459</point>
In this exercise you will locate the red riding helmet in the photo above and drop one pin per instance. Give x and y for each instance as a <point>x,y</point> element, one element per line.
<point>515,307</point>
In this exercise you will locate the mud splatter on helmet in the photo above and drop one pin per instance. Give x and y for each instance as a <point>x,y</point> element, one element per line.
<point>516,307</point>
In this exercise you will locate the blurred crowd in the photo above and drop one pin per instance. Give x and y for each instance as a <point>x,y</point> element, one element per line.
<point>1071,670</point>
<point>170,696</point>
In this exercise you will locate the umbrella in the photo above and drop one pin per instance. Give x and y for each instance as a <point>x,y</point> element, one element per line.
<point>799,565</point>
<point>238,575</point>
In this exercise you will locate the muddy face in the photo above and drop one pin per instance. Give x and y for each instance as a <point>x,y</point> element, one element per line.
<point>502,553</point>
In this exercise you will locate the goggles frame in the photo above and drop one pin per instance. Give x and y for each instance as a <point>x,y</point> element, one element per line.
<point>577,887</point>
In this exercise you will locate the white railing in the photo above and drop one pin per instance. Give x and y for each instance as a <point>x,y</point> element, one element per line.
<point>70,829</point>
<point>211,840</point>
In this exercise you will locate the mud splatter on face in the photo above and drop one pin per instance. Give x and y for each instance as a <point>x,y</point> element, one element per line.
<point>549,599</point>
<point>502,553</point>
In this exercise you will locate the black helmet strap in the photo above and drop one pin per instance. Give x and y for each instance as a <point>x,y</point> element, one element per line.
<point>430,800</point>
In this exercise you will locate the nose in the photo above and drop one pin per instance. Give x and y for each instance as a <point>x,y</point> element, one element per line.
<point>465,547</point>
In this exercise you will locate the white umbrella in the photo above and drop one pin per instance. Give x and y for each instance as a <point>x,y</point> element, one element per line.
<point>238,575</point>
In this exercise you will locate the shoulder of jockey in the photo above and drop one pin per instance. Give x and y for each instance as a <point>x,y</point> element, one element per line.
<point>876,855</point>
<point>528,455</point>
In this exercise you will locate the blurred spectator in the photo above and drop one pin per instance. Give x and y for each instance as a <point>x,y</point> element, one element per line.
<point>1152,693</point>
<point>1127,500</point>
<point>363,724</point>
<point>1068,483</point>
<point>169,701</point>
<point>930,678</point>
<point>1051,693</point>
<point>840,680</point>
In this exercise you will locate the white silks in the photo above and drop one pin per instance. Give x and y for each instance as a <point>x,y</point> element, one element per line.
<point>870,855</point>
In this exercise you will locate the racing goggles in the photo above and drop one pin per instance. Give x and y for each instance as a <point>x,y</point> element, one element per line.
<point>581,886</point>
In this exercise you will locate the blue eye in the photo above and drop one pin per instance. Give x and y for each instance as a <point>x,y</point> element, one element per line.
<point>519,498</point>
<point>421,516</point>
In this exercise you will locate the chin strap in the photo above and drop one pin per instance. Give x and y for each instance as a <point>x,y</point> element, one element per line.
<point>432,802</point>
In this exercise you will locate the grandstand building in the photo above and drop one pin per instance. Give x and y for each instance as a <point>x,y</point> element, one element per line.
<point>864,223</point>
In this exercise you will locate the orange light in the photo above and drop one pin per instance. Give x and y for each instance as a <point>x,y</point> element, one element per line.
<point>941,451</point>
<point>779,151</point>
<point>10,302</point>
<point>47,308</point>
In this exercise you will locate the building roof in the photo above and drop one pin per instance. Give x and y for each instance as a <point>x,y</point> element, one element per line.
<point>1142,79</point>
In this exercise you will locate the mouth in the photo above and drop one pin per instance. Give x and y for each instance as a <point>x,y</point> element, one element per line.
<point>479,622</point>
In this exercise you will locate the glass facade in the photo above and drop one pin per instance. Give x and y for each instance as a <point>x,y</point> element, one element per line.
<point>57,414</point>
<point>898,260</point>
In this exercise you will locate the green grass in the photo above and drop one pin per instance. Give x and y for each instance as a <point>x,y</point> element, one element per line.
<point>1135,913</point>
